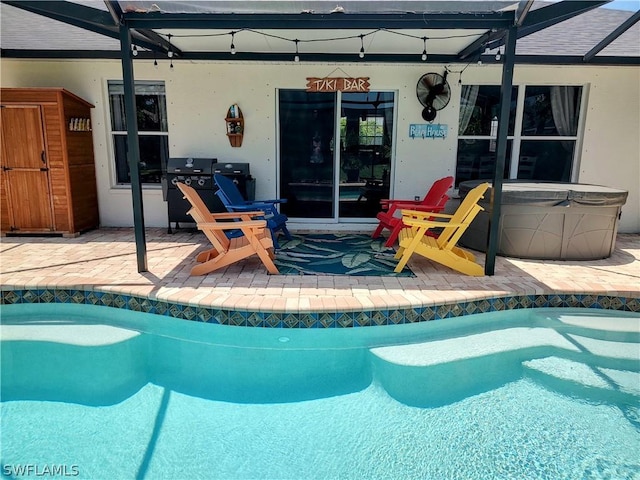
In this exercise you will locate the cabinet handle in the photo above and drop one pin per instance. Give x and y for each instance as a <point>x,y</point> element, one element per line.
<point>43,157</point>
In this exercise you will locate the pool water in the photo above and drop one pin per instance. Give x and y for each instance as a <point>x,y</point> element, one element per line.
<point>526,394</point>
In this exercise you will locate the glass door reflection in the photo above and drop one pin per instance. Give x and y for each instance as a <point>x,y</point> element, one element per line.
<point>307,121</point>
<point>366,132</point>
<point>320,150</point>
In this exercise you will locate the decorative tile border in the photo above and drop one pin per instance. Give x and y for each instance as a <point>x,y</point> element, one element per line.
<point>319,319</point>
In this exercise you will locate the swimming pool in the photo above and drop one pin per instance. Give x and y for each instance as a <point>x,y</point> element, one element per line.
<point>542,393</point>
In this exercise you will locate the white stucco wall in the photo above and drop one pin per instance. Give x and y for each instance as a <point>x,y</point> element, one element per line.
<point>199,94</point>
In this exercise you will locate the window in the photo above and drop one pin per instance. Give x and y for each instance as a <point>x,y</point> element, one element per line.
<point>549,132</point>
<point>542,132</point>
<point>153,134</point>
<point>371,130</point>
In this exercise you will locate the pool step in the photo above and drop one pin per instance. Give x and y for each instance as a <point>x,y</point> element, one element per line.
<point>589,381</point>
<point>495,342</point>
<point>444,371</point>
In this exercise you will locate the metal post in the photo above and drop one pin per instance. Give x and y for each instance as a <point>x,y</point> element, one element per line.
<point>133,149</point>
<point>501,148</point>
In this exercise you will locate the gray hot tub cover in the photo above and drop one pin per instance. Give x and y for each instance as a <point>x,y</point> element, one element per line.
<point>549,194</point>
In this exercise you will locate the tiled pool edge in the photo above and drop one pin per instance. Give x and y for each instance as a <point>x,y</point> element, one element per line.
<point>344,319</point>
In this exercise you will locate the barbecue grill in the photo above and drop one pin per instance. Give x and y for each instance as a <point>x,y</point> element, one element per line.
<point>197,173</point>
<point>239,174</point>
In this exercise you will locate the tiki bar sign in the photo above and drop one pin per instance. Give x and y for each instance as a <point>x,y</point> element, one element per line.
<point>338,84</point>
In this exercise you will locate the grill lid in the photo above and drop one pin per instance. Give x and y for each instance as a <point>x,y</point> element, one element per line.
<point>191,165</point>
<point>231,168</point>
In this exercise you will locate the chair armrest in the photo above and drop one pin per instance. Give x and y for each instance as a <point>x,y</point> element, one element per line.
<point>415,222</point>
<point>423,215</point>
<point>275,200</point>
<point>252,206</point>
<point>410,205</point>
<point>265,202</point>
<point>232,215</point>
<point>232,225</point>
<point>420,207</point>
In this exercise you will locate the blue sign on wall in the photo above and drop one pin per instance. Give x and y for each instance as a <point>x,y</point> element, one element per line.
<point>428,130</point>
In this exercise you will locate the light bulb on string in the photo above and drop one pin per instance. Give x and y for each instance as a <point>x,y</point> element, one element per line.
<point>296,58</point>
<point>424,51</point>
<point>498,54</point>
<point>232,47</point>
<point>134,50</point>
<point>170,53</point>
<point>361,54</point>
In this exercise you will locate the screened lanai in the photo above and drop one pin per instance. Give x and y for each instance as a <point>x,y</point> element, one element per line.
<point>409,32</point>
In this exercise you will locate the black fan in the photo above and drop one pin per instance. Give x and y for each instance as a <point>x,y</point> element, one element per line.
<point>433,93</point>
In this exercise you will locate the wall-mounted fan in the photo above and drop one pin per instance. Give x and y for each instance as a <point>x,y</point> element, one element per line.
<point>433,93</point>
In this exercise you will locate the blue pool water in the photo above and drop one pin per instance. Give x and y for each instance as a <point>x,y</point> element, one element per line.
<point>529,394</point>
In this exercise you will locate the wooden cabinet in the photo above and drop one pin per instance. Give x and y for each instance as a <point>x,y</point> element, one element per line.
<point>235,125</point>
<point>47,174</point>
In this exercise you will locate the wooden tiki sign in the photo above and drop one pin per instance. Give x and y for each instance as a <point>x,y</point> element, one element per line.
<point>338,84</point>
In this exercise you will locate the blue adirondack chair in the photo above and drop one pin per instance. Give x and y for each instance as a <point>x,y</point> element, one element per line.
<point>233,201</point>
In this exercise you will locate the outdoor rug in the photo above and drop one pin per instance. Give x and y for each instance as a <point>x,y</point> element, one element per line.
<point>337,254</point>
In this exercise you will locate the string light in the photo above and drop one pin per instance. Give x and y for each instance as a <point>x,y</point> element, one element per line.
<point>170,53</point>
<point>134,50</point>
<point>499,53</point>
<point>296,41</point>
<point>155,60</point>
<point>328,39</point>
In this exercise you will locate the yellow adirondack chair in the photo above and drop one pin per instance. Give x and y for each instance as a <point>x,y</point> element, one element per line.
<point>442,249</point>
<point>255,239</point>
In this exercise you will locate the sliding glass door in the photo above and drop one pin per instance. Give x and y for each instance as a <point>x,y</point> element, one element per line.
<point>335,153</point>
<point>307,126</point>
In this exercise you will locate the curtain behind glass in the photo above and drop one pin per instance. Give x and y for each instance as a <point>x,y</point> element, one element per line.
<point>565,105</point>
<point>467,105</point>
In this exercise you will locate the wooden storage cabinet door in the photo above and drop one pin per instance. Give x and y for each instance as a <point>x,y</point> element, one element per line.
<point>22,137</point>
<point>25,170</point>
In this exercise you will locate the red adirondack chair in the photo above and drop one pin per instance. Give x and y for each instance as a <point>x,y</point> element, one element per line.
<point>433,201</point>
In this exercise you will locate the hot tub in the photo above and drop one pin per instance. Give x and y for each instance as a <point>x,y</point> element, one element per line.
<point>549,221</point>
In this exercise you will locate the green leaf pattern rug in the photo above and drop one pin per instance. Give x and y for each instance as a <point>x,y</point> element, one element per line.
<point>337,254</point>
